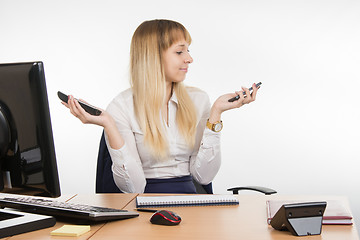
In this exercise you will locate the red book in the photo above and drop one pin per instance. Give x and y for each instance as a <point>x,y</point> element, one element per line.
<point>335,213</point>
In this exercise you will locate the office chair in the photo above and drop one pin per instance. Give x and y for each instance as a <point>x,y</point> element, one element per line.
<point>104,177</point>
<point>105,182</point>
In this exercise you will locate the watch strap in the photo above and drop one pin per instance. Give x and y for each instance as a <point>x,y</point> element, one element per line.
<point>212,126</point>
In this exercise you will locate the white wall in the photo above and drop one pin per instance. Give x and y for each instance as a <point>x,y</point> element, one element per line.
<point>301,136</point>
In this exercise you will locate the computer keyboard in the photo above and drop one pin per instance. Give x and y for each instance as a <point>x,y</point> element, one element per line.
<point>65,209</point>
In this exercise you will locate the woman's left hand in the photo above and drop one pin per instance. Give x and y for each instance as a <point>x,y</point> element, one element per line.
<point>222,104</point>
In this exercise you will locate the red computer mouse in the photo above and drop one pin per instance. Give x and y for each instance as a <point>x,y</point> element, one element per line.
<point>165,217</point>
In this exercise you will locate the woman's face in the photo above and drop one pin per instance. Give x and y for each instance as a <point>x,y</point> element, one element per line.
<point>176,61</point>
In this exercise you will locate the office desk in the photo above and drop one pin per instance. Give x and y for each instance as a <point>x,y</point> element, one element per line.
<point>244,221</point>
<point>107,200</point>
<point>42,232</point>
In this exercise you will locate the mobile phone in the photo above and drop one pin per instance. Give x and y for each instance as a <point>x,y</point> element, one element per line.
<point>88,108</point>
<point>250,89</point>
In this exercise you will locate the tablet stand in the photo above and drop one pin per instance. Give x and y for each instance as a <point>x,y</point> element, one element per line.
<point>301,219</point>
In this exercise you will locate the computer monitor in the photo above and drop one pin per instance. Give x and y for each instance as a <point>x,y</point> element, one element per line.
<point>27,154</point>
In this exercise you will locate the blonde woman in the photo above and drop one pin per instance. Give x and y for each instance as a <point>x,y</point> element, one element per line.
<point>160,133</point>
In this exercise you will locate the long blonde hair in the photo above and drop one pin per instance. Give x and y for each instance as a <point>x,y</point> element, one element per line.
<point>147,79</point>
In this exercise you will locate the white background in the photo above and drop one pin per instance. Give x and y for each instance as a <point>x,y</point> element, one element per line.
<point>301,135</point>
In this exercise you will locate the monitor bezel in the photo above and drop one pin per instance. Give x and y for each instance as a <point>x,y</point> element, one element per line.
<point>37,82</point>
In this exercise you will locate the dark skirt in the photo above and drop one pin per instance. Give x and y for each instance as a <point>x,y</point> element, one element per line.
<point>170,185</point>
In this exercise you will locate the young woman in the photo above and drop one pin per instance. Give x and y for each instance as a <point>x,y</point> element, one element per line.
<point>160,133</point>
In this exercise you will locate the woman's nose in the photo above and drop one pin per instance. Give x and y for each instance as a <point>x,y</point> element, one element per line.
<point>189,59</point>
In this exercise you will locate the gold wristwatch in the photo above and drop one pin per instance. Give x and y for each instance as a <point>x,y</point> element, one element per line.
<point>216,127</point>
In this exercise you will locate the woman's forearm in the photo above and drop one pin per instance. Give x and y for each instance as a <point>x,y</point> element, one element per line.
<point>114,137</point>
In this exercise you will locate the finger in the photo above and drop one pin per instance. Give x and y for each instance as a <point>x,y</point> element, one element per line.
<point>65,104</point>
<point>253,94</point>
<point>246,90</point>
<point>80,108</point>
<point>248,96</point>
<point>72,104</point>
<point>238,103</point>
<point>241,95</point>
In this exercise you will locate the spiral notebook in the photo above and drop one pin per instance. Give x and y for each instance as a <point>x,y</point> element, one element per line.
<point>185,200</point>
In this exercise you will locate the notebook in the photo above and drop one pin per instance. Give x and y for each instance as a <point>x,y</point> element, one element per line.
<point>185,200</point>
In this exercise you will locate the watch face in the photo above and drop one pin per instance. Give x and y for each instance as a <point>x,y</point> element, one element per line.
<point>218,127</point>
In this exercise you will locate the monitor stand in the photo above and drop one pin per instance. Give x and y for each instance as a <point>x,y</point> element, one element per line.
<point>14,222</point>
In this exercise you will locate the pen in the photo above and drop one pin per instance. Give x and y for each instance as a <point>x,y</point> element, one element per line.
<point>145,210</point>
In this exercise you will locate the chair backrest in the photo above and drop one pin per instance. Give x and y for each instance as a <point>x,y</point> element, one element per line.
<point>104,177</point>
<point>203,189</point>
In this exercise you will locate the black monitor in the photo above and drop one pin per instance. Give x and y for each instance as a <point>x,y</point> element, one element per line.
<point>27,154</point>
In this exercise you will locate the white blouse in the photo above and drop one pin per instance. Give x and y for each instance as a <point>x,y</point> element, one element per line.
<point>133,162</point>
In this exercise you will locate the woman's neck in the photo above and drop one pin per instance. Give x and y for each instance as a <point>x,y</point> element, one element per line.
<point>169,90</point>
<point>164,110</point>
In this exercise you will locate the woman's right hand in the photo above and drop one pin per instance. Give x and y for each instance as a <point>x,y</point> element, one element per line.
<point>104,119</point>
<point>75,109</point>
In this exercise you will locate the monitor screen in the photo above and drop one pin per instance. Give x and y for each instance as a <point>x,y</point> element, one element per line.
<point>27,154</point>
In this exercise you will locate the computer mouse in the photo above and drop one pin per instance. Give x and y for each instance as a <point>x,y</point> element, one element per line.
<point>165,217</point>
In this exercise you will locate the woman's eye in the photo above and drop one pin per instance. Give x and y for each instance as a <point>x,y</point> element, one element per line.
<point>179,52</point>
